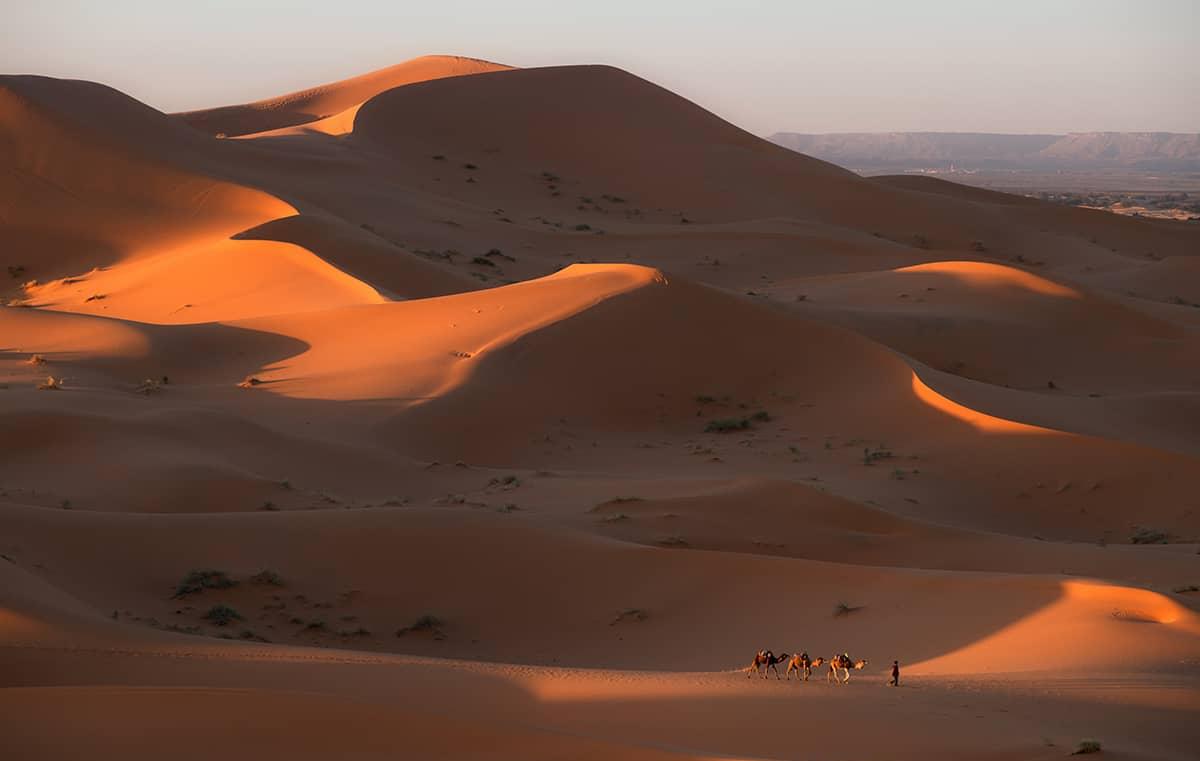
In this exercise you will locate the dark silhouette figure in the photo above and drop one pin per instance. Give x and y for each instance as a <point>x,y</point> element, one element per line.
<point>895,674</point>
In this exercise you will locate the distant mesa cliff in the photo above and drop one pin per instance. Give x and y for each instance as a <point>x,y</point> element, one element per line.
<point>1083,150</point>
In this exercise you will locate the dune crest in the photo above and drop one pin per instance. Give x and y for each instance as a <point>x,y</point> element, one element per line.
<point>329,108</point>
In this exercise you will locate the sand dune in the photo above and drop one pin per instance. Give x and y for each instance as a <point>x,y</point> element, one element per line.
<point>522,405</point>
<point>321,108</point>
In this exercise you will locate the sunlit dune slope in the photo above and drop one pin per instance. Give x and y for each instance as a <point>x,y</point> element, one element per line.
<point>306,106</point>
<point>206,282</point>
<point>418,349</point>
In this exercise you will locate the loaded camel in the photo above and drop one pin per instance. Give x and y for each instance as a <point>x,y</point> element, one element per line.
<point>803,665</point>
<point>843,662</point>
<point>765,659</point>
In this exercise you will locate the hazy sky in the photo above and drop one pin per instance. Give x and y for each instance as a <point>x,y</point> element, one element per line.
<point>847,65</point>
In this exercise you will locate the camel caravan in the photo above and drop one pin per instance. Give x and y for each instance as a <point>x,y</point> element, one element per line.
<point>803,665</point>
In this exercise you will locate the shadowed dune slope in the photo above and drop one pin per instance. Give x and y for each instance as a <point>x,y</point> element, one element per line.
<point>517,612</point>
<point>643,141</point>
<point>316,103</point>
<point>989,322</point>
<point>92,177</point>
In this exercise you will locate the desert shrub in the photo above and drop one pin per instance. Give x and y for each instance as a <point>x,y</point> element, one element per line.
<point>843,609</point>
<point>727,425</point>
<point>425,623</point>
<point>267,578</point>
<point>871,456</point>
<point>438,157</point>
<point>222,615</point>
<point>469,166</point>
<point>762,416</point>
<point>199,580</point>
<point>483,261</point>
<point>1086,746</point>
<point>977,246</point>
<point>630,614</point>
<point>672,541</point>
<point>50,384</point>
<point>1147,535</point>
<point>583,227</point>
<point>36,359</point>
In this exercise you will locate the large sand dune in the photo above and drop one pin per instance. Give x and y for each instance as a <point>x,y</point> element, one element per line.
<point>509,412</point>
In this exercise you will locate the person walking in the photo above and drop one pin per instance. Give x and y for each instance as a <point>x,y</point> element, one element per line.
<point>895,682</point>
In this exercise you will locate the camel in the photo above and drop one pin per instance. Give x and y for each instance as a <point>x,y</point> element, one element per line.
<point>766,660</point>
<point>843,662</point>
<point>803,665</point>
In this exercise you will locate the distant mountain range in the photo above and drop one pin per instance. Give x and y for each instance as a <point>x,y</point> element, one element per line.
<point>1158,151</point>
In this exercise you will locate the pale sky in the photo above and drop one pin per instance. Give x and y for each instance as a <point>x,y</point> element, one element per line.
<point>767,65</point>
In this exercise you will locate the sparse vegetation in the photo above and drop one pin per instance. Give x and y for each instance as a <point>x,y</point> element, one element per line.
<point>222,615</point>
<point>1086,746</point>
<point>1187,588</point>
<point>36,359</point>
<point>672,541</point>
<point>267,577</point>
<point>426,623</point>
<point>1147,535</point>
<point>843,609</point>
<point>198,580</point>
<point>250,382</point>
<point>148,386</point>
<point>16,270</point>
<point>633,615</point>
<point>50,384</point>
<point>583,227</point>
<point>871,456</point>
<point>727,425</point>
<point>483,261</point>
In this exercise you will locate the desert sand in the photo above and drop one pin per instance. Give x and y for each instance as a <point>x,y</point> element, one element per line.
<point>463,411</point>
